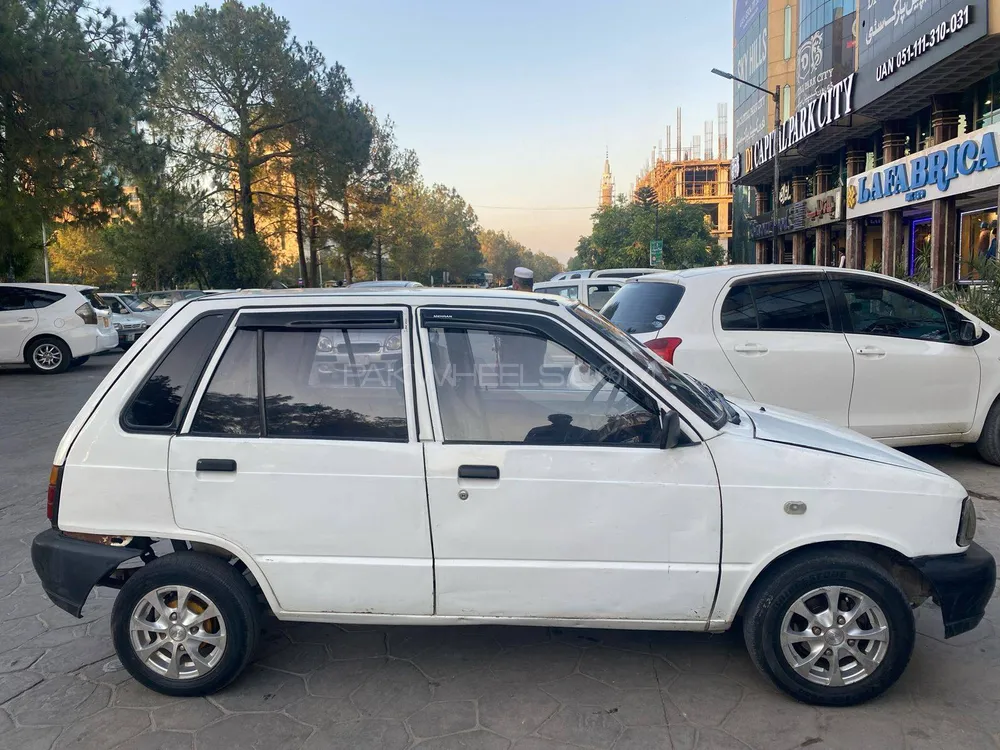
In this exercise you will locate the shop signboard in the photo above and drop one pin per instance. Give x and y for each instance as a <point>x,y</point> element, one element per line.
<point>898,39</point>
<point>751,108</point>
<point>962,165</point>
<point>823,208</point>
<point>823,58</point>
<point>790,219</point>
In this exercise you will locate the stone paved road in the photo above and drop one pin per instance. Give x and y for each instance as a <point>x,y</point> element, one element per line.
<point>319,687</point>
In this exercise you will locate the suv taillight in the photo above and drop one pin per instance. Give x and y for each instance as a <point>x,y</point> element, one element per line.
<point>664,347</point>
<point>52,500</point>
<point>87,314</point>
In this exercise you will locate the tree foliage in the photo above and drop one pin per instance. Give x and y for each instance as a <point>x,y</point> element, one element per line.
<point>502,254</point>
<point>622,233</point>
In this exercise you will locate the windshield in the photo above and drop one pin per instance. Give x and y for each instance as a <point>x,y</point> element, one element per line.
<point>136,304</point>
<point>707,404</point>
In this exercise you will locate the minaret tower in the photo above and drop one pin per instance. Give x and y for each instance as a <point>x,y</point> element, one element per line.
<point>607,183</point>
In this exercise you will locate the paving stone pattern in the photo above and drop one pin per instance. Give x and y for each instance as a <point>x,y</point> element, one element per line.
<point>321,687</point>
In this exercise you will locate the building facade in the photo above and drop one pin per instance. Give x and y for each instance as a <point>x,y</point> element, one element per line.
<point>887,142</point>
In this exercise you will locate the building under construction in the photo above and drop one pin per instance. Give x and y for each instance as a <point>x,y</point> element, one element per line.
<point>698,173</point>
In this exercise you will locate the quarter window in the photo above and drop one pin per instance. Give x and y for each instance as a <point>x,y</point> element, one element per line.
<point>231,405</point>
<point>157,404</point>
<point>500,386</point>
<point>791,306</point>
<point>878,310</point>
<point>738,311</point>
<point>336,383</point>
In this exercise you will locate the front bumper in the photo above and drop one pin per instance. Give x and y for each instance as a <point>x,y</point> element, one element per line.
<point>69,568</point>
<point>962,586</point>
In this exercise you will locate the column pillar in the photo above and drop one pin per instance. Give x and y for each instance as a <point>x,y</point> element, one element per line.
<point>823,238</point>
<point>760,246</point>
<point>800,187</point>
<point>944,217</point>
<point>893,238</point>
<point>855,249</point>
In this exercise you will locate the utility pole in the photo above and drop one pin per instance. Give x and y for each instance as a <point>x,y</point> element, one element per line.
<point>776,95</point>
<point>45,253</point>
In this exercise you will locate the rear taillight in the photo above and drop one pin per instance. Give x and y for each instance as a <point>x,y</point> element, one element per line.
<point>52,501</point>
<point>87,314</point>
<point>664,347</point>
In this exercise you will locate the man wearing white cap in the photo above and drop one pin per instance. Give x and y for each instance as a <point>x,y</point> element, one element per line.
<point>524,279</point>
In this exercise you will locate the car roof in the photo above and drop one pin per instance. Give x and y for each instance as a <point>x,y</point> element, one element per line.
<point>405,295</point>
<point>722,274</point>
<point>44,287</point>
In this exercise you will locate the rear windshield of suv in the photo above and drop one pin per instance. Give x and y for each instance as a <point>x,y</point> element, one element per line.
<point>643,306</point>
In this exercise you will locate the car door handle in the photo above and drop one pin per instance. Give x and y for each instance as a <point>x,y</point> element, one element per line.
<point>25,320</point>
<point>466,471</point>
<point>750,349</point>
<point>870,351</point>
<point>215,464</point>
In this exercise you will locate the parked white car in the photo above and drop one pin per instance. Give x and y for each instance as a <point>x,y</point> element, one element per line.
<point>51,327</point>
<point>618,273</point>
<point>130,304</point>
<point>477,484</point>
<point>128,326</point>
<point>859,349</point>
<point>593,293</point>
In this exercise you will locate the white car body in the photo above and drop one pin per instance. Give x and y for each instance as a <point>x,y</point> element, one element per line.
<point>432,526</point>
<point>127,326</point>
<point>130,304</point>
<point>902,390</point>
<point>47,317</point>
<point>593,292</point>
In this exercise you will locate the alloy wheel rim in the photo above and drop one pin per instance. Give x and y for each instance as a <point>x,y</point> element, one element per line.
<point>834,636</point>
<point>177,632</point>
<point>47,356</point>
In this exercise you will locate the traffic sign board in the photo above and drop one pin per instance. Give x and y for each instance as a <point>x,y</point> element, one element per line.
<point>656,253</point>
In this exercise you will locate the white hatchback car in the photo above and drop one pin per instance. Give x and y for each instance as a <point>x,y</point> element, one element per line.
<point>478,483</point>
<point>51,327</point>
<point>859,349</point>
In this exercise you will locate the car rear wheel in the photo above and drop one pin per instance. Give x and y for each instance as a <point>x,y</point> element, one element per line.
<point>988,444</point>
<point>186,624</point>
<point>832,629</point>
<point>48,356</point>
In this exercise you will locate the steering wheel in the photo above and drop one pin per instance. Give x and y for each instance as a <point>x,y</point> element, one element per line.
<point>887,326</point>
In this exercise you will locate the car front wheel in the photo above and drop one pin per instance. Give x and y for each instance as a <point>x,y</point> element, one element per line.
<point>186,624</point>
<point>831,629</point>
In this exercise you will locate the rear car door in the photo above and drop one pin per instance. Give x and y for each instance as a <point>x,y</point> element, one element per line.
<point>783,337</point>
<point>303,452</point>
<point>549,494</point>
<point>912,377</point>
<point>17,320</point>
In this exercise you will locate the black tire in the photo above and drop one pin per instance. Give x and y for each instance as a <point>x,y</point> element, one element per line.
<point>48,349</point>
<point>79,361</point>
<point>772,598</point>
<point>125,345</point>
<point>224,586</point>
<point>988,444</point>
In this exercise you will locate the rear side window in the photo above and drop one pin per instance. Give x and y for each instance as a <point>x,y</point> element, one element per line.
<point>738,311</point>
<point>779,305</point>
<point>38,298</point>
<point>230,405</point>
<point>643,307</point>
<point>157,404</point>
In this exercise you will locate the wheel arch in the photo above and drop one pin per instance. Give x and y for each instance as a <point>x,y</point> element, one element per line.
<point>38,337</point>
<point>896,564</point>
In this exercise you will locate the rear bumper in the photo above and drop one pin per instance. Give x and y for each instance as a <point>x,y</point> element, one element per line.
<point>962,585</point>
<point>69,568</point>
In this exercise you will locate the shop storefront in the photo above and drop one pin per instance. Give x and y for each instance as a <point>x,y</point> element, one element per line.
<point>810,216</point>
<point>959,179</point>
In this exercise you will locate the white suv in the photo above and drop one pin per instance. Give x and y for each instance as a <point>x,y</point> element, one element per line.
<point>51,327</point>
<point>858,349</point>
<point>479,483</point>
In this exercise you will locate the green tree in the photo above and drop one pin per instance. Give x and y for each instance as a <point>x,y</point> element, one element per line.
<point>79,255</point>
<point>645,196</point>
<point>73,82</point>
<point>453,227</point>
<point>544,266</point>
<point>501,252</point>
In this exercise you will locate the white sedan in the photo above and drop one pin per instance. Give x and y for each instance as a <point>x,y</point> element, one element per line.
<point>859,349</point>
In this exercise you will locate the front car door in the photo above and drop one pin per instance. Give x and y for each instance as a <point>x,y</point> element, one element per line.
<point>17,320</point>
<point>301,449</point>
<point>912,375</point>
<point>549,495</point>
<point>783,338</point>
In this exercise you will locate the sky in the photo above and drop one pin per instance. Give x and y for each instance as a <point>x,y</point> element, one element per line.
<point>513,103</point>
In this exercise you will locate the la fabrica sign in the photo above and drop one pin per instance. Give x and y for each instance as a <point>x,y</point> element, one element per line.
<point>969,162</point>
<point>828,107</point>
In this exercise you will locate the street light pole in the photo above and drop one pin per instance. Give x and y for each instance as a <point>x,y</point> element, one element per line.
<point>776,95</point>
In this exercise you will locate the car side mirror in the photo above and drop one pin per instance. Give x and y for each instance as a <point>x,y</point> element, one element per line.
<point>670,432</point>
<point>967,332</point>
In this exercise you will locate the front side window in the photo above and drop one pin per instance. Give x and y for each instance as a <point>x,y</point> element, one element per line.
<point>791,306</point>
<point>138,305</point>
<point>157,404</point>
<point>883,311</point>
<point>336,383</point>
<point>505,386</point>
<point>12,298</point>
<point>115,305</point>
